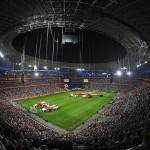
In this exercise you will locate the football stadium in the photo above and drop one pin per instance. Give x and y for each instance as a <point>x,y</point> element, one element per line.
<point>74,75</point>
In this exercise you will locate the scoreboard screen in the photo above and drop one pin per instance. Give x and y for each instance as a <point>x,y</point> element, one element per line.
<point>66,80</point>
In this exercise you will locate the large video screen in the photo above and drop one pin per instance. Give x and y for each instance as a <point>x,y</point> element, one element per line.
<point>66,80</point>
<point>69,39</point>
<point>85,80</point>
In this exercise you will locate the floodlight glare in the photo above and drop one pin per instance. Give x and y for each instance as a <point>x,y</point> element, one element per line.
<point>1,55</point>
<point>36,74</point>
<point>128,73</point>
<point>45,67</point>
<point>124,68</point>
<point>57,68</point>
<point>78,69</point>
<point>138,65</point>
<point>119,73</point>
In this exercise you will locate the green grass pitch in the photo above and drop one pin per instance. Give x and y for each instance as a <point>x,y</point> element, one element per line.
<point>73,110</point>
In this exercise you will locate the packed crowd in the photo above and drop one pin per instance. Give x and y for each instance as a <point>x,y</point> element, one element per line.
<point>130,131</point>
<point>126,95</point>
<point>21,123</point>
<point>133,125</point>
<point>31,91</point>
<point>28,82</point>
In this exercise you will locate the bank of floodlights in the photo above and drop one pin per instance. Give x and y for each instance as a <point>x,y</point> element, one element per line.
<point>57,68</point>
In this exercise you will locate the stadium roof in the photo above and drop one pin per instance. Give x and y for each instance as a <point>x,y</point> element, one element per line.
<point>80,46</point>
<point>125,21</point>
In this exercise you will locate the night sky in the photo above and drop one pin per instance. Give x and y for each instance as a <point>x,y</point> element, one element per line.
<point>92,47</point>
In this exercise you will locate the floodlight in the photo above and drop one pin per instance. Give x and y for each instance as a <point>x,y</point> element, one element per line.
<point>36,74</point>
<point>128,73</point>
<point>138,65</point>
<point>78,69</point>
<point>1,55</point>
<point>119,73</point>
<point>45,67</point>
<point>124,68</point>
